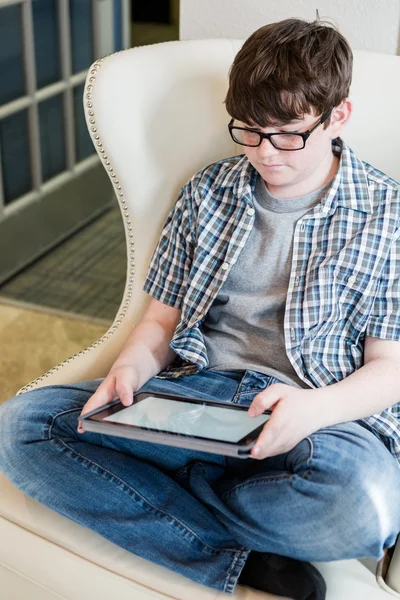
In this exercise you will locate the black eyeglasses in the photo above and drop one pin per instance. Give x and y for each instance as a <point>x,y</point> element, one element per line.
<point>282,141</point>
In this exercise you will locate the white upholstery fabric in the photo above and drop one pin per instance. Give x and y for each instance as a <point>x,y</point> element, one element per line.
<point>393,574</point>
<point>159,116</point>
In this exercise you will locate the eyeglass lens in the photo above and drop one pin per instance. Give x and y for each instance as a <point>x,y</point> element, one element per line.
<point>279,140</point>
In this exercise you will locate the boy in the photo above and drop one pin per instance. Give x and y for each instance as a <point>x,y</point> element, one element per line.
<point>275,284</point>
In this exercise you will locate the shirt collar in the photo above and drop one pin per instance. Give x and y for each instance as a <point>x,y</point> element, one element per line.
<point>349,186</point>
<point>240,175</point>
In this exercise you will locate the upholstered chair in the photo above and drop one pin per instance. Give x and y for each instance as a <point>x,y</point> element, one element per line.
<point>156,115</point>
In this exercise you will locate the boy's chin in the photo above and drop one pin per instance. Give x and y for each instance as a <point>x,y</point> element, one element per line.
<point>274,172</point>
<point>276,177</point>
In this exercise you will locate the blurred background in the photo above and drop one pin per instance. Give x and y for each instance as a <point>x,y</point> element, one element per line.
<point>60,224</point>
<point>62,246</point>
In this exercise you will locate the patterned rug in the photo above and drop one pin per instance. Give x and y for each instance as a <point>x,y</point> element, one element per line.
<point>83,276</point>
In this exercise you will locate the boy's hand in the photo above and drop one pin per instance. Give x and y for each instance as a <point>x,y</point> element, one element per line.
<point>295,415</point>
<point>120,383</point>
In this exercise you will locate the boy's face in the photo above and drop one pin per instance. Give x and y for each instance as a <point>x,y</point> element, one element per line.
<point>290,174</point>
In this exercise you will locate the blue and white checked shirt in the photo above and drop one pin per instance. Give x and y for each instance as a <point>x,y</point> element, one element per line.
<point>345,275</point>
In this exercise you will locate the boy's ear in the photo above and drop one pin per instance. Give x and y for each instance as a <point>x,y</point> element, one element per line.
<point>339,117</point>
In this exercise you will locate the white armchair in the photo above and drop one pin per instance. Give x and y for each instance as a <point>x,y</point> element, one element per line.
<point>156,115</point>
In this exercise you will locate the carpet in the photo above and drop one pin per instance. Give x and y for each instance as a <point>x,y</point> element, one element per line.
<point>85,275</point>
<point>32,342</point>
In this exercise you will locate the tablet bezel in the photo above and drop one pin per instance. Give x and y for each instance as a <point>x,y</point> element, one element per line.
<point>116,406</point>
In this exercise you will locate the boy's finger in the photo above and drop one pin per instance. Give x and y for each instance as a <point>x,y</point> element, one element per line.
<point>102,395</point>
<point>125,393</point>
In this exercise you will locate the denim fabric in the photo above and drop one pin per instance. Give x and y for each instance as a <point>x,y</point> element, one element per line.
<point>334,496</point>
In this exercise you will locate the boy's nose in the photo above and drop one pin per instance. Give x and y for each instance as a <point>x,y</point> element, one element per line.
<point>266,148</point>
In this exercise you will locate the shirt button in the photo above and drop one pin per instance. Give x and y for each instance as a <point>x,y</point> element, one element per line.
<point>351,280</point>
<point>297,280</point>
<point>250,211</point>
<point>293,333</point>
<point>225,266</point>
<point>303,227</point>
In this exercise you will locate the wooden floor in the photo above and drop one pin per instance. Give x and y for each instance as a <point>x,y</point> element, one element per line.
<point>32,342</point>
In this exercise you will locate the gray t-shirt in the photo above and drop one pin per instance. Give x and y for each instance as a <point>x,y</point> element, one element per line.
<point>244,328</point>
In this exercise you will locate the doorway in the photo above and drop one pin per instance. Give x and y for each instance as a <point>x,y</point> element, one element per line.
<point>51,180</point>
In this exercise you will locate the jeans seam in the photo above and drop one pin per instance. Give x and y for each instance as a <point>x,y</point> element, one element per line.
<point>277,478</point>
<point>251,391</point>
<point>64,412</point>
<point>240,556</point>
<point>71,386</point>
<point>211,549</point>
<point>238,390</point>
<point>264,479</point>
<point>312,452</point>
<point>181,472</point>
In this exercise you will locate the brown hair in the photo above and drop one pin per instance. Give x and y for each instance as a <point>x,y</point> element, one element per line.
<point>287,69</point>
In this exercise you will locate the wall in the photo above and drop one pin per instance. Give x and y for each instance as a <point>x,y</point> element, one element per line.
<point>368,25</point>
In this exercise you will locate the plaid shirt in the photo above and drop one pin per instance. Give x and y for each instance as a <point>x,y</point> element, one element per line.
<point>345,274</point>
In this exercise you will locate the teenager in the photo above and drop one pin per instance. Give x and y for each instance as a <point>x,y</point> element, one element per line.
<point>275,284</point>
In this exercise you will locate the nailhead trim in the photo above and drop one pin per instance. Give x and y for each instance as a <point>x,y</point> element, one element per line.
<point>120,195</point>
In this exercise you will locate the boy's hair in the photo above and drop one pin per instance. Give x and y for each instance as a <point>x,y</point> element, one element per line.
<point>287,69</point>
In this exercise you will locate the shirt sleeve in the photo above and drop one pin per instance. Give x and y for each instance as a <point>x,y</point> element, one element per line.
<point>384,320</point>
<point>170,265</point>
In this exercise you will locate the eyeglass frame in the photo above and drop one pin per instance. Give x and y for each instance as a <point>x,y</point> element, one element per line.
<point>267,136</point>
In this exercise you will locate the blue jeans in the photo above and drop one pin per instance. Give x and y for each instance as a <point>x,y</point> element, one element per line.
<point>335,496</point>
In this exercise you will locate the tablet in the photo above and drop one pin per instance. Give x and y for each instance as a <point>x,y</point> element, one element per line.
<point>218,427</point>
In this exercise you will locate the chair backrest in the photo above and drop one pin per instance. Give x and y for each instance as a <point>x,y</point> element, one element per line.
<point>160,117</point>
<point>373,131</point>
<point>156,115</point>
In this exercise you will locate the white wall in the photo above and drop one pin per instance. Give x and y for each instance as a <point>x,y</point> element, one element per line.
<point>368,25</point>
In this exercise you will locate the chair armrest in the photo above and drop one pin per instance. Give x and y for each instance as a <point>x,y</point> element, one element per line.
<point>388,571</point>
<point>393,573</point>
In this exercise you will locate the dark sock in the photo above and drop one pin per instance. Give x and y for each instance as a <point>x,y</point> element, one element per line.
<point>283,576</point>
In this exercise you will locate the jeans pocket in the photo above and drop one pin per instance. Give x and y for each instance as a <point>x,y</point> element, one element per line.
<point>251,384</point>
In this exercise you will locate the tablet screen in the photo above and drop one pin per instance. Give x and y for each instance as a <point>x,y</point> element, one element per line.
<point>192,419</point>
